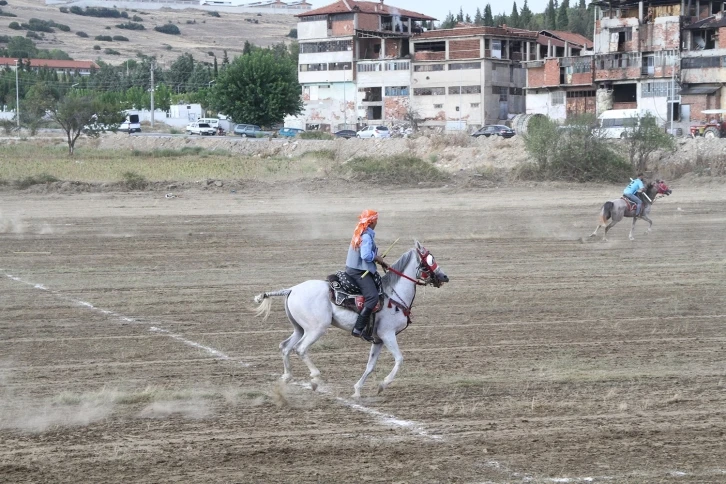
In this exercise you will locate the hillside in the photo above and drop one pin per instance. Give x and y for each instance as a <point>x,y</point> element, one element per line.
<point>201,32</point>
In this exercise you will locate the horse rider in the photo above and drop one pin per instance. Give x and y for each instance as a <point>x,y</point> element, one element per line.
<point>636,186</point>
<point>360,265</point>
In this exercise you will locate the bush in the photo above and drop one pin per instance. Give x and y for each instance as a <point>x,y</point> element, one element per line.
<point>210,53</point>
<point>134,181</point>
<point>131,26</point>
<point>80,33</point>
<point>395,169</point>
<point>170,153</point>
<point>63,9</point>
<point>15,26</point>
<point>63,28</point>
<point>572,154</point>
<point>101,12</point>
<point>29,181</point>
<point>136,18</point>
<point>103,38</point>
<point>170,29</point>
<point>315,135</point>
<point>111,52</point>
<point>33,35</point>
<point>646,139</point>
<point>292,34</point>
<point>213,13</point>
<point>120,38</point>
<point>96,47</point>
<point>6,14</point>
<point>3,3</point>
<point>190,22</point>
<point>4,39</point>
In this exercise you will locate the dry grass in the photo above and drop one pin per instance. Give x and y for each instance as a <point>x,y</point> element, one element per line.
<point>205,34</point>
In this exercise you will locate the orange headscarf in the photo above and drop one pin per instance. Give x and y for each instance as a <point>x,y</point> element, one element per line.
<point>366,218</point>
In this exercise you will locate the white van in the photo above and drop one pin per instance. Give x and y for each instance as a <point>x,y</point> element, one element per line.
<point>615,123</point>
<point>213,122</point>
<point>132,124</point>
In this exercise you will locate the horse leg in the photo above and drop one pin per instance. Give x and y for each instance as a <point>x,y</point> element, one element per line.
<point>608,227</point>
<point>310,337</point>
<point>632,227</point>
<point>650,223</point>
<point>595,232</point>
<point>286,347</point>
<point>392,344</point>
<point>372,359</point>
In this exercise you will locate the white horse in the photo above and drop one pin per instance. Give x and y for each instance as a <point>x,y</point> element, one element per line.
<point>311,312</point>
<point>615,210</point>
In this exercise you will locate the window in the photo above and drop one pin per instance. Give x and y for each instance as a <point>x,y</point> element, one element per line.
<point>429,67</point>
<point>465,65</point>
<point>332,46</point>
<point>516,91</point>
<point>465,89</point>
<point>578,94</point>
<point>474,105</point>
<point>397,91</point>
<point>700,62</point>
<point>375,67</point>
<point>313,18</point>
<point>429,91</point>
<point>558,98</point>
<point>397,66</point>
<point>438,106</point>
<point>313,67</point>
<point>339,66</point>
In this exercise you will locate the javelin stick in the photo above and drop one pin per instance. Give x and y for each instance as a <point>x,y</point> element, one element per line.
<point>646,196</point>
<point>384,254</point>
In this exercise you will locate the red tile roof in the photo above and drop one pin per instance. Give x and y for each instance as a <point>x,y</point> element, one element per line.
<point>380,8</point>
<point>468,31</point>
<point>572,38</point>
<point>51,63</point>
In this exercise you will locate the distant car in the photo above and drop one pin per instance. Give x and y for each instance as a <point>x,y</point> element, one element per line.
<point>345,133</point>
<point>290,132</point>
<point>127,126</point>
<point>201,129</point>
<point>494,130</point>
<point>250,131</point>
<point>374,132</point>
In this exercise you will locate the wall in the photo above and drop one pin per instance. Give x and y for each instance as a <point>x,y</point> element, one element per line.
<point>342,27</point>
<point>312,30</point>
<point>368,21</point>
<point>465,49</point>
<point>698,103</point>
<point>539,103</point>
<point>333,107</point>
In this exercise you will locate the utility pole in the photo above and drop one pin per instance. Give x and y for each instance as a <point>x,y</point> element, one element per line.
<point>676,59</point>
<point>345,104</point>
<point>152,94</point>
<point>17,95</point>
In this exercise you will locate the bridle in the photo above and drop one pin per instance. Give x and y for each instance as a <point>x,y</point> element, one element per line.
<point>425,272</point>
<point>662,188</point>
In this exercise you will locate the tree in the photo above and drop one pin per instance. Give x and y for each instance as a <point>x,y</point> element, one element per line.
<point>21,47</point>
<point>78,114</point>
<point>488,18</point>
<point>525,17</point>
<point>467,19</point>
<point>247,48</point>
<point>225,59</point>
<point>562,17</point>
<point>39,99</point>
<point>582,5</point>
<point>551,15</point>
<point>180,72</point>
<point>645,139</point>
<point>449,22</point>
<point>477,17</point>
<point>258,88</point>
<point>460,16</point>
<point>514,20</point>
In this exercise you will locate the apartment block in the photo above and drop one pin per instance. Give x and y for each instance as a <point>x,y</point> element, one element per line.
<point>665,57</point>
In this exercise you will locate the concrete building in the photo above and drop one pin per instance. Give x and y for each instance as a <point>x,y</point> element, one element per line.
<point>663,57</point>
<point>354,64</point>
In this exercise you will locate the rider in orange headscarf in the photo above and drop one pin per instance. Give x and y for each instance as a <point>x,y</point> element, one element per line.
<point>360,265</point>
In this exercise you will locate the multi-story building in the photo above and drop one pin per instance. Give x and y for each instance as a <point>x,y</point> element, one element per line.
<point>663,57</point>
<point>354,64</point>
<point>83,68</point>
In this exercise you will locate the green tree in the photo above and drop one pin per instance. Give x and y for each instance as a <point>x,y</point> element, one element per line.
<point>562,16</point>
<point>514,20</point>
<point>478,19</point>
<point>525,16</point>
<point>460,16</point>
<point>449,22</point>
<point>488,18</point>
<point>258,88</point>
<point>22,47</point>
<point>551,16</point>
<point>179,72</point>
<point>39,99</point>
<point>582,5</point>
<point>646,139</point>
<point>247,48</point>
<point>78,114</point>
<point>467,19</point>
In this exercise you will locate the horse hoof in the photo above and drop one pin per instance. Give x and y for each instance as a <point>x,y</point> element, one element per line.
<point>314,385</point>
<point>381,387</point>
<point>286,378</point>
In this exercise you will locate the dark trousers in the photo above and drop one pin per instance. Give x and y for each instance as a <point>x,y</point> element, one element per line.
<point>367,286</point>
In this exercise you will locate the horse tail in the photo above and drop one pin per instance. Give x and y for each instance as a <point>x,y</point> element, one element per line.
<point>605,214</point>
<point>265,303</point>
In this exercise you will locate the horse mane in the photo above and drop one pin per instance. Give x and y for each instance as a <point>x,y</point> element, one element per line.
<point>390,278</point>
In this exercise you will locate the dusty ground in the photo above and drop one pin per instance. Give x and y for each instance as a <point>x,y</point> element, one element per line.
<point>206,34</point>
<point>128,353</point>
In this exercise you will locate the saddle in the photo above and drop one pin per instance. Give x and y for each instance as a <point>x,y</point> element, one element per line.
<point>630,204</point>
<point>344,292</point>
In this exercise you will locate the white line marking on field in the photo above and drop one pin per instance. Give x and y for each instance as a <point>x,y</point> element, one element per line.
<point>125,319</point>
<point>385,419</point>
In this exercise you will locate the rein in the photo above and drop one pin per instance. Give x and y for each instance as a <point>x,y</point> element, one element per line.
<point>398,273</point>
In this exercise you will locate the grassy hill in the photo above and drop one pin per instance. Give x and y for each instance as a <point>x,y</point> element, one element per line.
<point>201,32</point>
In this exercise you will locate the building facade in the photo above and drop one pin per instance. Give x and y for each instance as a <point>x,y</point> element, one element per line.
<point>83,68</point>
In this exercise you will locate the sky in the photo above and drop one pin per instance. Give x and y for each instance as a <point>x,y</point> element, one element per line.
<point>439,9</point>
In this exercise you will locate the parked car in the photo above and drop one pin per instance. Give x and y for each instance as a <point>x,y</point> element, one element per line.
<point>250,131</point>
<point>345,133</point>
<point>494,130</point>
<point>201,129</point>
<point>374,132</point>
<point>290,132</point>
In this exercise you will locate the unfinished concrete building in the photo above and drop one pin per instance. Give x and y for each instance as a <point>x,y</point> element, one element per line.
<point>354,64</point>
<point>470,75</point>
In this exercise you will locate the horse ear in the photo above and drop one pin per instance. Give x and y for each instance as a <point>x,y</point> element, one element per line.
<point>417,244</point>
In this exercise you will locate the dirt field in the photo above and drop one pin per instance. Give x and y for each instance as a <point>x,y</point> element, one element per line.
<point>128,352</point>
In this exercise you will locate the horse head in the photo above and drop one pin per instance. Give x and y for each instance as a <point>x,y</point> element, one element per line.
<point>428,270</point>
<point>662,187</point>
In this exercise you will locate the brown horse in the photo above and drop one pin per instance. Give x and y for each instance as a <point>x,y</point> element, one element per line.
<point>615,210</point>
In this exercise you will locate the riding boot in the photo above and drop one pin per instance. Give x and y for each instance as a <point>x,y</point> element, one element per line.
<point>361,322</point>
